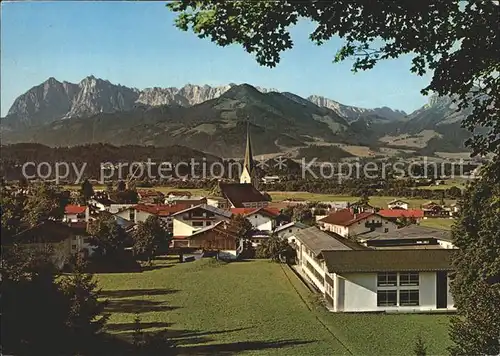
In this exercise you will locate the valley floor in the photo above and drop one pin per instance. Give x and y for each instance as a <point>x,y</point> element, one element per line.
<point>254,308</point>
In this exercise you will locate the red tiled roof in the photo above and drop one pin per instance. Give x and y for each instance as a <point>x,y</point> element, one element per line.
<point>149,193</point>
<point>74,209</point>
<point>400,213</point>
<point>161,210</point>
<point>345,217</point>
<point>249,211</point>
<point>242,211</point>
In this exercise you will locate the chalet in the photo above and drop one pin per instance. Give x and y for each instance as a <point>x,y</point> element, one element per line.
<point>190,220</point>
<point>139,213</point>
<point>398,204</point>
<point>434,210</point>
<point>150,196</point>
<point>62,240</point>
<point>412,236</point>
<point>399,214</point>
<point>219,236</point>
<point>347,223</point>
<point>362,207</point>
<point>76,213</point>
<point>243,195</point>
<point>263,219</point>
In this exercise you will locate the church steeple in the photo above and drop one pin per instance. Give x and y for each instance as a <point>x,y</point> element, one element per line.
<point>248,172</point>
<point>248,163</point>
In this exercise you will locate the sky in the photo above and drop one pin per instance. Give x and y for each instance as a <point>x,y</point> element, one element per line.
<point>136,44</point>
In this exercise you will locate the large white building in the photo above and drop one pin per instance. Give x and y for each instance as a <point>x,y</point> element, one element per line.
<point>355,278</point>
<point>187,221</point>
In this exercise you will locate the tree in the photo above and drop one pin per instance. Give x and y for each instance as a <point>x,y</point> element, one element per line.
<point>85,311</point>
<point>276,249</point>
<point>420,348</point>
<point>11,211</point>
<point>107,236</point>
<point>44,202</point>
<point>241,224</point>
<point>149,236</point>
<point>456,41</point>
<point>121,186</point>
<point>86,190</point>
<point>475,284</point>
<point>303,214</point>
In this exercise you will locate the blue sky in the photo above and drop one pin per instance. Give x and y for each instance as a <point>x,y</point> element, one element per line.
<point>136,44</point>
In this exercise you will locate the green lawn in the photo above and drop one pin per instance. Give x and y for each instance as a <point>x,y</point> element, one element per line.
<point>257,307</point>
<point>441,223</point>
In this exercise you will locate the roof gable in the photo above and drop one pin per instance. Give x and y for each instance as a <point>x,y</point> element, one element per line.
<point>388,260</point>
<point>317,240</point>
<point>239,193</point>
<point>345,217</point>
<point>208,208</point>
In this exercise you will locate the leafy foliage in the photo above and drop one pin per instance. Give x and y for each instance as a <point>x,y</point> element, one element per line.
<point>476,283</point>
<point>108,237</point>
<point>149,237</point>
<point>242,226</point>
<point>420,349</point>
<point>44,202</point>
<point>276,249</point>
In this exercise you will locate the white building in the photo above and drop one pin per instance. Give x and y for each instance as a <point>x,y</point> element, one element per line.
<point>76,213</point>
<point>187,221</point>
<point>413,280</point>
<point>287,230</point>
<point>347,223</point>
<point>354,278</point>
<point>398,204</point>
<point>262,219</point>
<point>139,213</point>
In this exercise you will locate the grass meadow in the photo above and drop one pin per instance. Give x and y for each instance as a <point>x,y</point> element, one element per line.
<point>254,308</point>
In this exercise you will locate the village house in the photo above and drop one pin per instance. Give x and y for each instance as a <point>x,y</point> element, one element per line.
<point>187,221</point>
<point>398,204</point>
<point>218,202</point>
<point>140,212</point>
<point>346,223</point>
<point>354,278</point>
<point>434,210</point>
<point>76,213</point>
<point>150,196</point>
<point>289,229</point>
<point>413,236</point>
<point>396,215</point>
<point>263,219</point>
<point>62,240</point>
<point>219,236</point>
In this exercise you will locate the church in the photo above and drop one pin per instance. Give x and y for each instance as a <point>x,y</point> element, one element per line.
<point>245,194</point>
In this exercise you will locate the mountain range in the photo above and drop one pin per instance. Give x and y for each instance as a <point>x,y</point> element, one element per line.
<point>212,119</point>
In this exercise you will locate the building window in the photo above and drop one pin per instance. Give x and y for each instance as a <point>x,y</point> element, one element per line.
<point>408,297</point>
<point>387,298</point>
<point>197,213</point>
<point>386,230</point>
<point>198,223</point>
<point>208,223</point>
<point>290,230</point>
<point>408,279</point>
<point>387,279</point>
